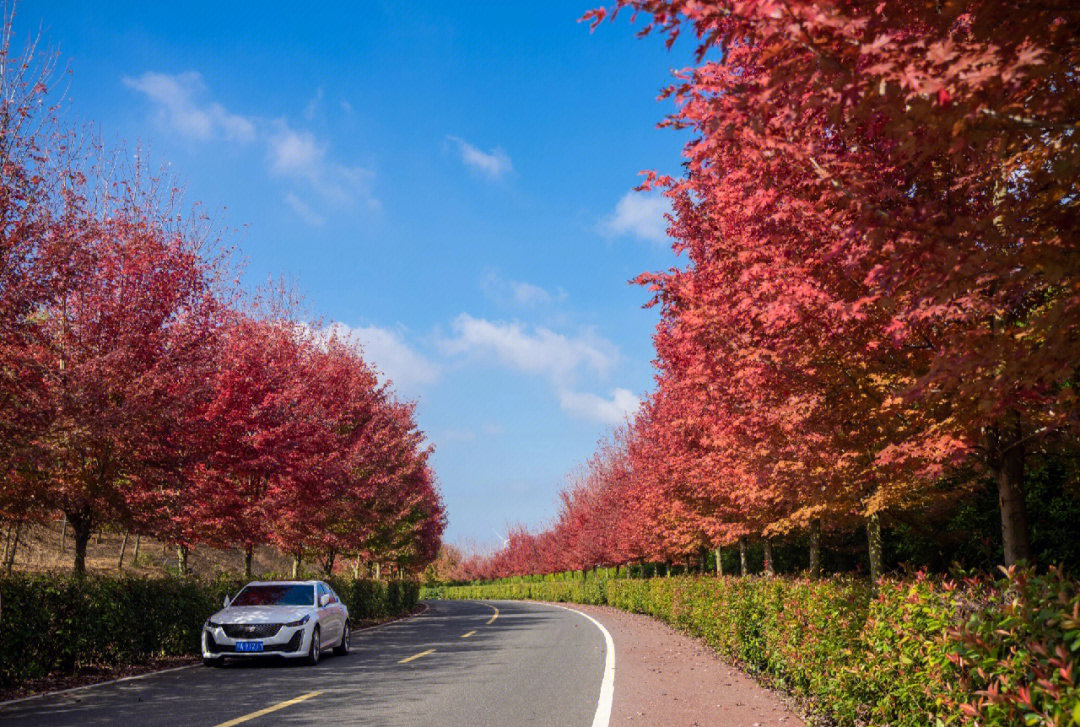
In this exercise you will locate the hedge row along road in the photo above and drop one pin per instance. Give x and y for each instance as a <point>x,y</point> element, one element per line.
<point>459,663</point>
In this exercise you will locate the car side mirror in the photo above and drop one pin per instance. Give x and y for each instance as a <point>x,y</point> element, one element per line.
<point>227,601</point>
<point>324,599</point>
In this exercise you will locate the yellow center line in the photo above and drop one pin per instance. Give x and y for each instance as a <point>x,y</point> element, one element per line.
<point>493,616</point>
<point>416,656</point>
<point>268,710</point>
<point>465,636</point>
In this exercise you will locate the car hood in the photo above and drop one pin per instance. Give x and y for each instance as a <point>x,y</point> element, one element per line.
<point>261,614</point>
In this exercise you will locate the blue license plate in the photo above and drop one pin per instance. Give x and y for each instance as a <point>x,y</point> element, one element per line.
<point>249,646</point>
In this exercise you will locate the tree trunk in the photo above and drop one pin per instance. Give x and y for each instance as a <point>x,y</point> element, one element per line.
<point>378,572</point>
<point>182,559</point>
<point>7,543</point>
<point>1007,460</point>
<point>873,537</point>
<point>82,530</point>
<point>815,548</point>
<point>123,549</point>
<point>719,562</point>
<point>356,568</point>
<point>63,532</point>
<point>98,540</point>
<point>742,557</point>
<point>770,568</point>
<point>249,556</point>
<point>295,566</point>
<point>135,553</point>
<point>328,563</point>
<point>667,569</point>
<point>10,562</point>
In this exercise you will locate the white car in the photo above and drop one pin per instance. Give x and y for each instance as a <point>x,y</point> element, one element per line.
<point>294,619</point>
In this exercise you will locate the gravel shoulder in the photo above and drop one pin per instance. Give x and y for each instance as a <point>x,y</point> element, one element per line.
<point>663,677</point>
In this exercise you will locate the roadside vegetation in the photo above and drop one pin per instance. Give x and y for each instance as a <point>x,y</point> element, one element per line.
<point>917,651</point>
<point>57,626</point>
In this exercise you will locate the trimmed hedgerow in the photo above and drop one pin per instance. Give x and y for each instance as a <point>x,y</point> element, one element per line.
<point>376,599</point>
<point>53,624</point>
<point>920,651</point>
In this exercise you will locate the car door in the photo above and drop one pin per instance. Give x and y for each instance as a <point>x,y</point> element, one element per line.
<point>341,611</point>
<point>328,617</point>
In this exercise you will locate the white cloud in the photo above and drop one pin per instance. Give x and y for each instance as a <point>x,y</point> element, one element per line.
<point>313,105</point>
<point>178,107</point>
<point>387,350</point>
<point>291,153</point>
<point>539,351</point>
<point>529,294</point>
<point>303,209</point>
<point>640,214</point>
<point>458,435</point>
<point>518,292</point>
<point>494,164</point>
<point>619,408</point>
<point>299,154</point>
<point>295,152</point>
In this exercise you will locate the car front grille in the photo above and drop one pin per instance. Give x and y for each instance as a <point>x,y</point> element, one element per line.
<point>250,631</point>
<point>293,645</point>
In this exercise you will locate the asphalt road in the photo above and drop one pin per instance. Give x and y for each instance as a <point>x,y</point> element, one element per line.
<point>529,665</point>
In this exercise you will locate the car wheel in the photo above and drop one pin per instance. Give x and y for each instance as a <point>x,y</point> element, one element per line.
<point>342,649</point>
<point>211,661</point>
<point>316,648</point>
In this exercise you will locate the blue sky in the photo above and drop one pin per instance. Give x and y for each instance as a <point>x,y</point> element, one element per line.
<point>450,182</point>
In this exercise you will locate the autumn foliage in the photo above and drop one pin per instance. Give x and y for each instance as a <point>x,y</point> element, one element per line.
<point>139,391</point>
<point>880,306</point>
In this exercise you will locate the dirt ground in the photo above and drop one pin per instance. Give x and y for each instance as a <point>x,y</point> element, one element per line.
<point>43,548</point>
<point>663,677</point>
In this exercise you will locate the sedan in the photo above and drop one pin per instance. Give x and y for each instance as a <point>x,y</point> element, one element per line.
<point>293,619</point>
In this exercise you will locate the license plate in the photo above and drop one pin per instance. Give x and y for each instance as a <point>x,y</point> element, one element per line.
<point>249,646</point>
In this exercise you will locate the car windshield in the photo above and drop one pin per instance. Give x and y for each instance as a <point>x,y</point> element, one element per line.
<point>283,595</point>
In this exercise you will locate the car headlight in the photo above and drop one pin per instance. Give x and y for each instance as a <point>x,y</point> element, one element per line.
<point>211,625</point>
<point>300,621</point>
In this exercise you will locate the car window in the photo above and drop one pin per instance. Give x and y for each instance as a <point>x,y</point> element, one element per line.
<point>275,595</point>
<point>322,591</point>
<point>333,595</point>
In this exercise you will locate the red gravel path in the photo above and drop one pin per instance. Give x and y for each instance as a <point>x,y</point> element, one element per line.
<point>667,679</point>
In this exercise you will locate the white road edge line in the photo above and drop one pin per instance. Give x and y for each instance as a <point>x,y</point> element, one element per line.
<point>179,668</point>
<point>607,685</point>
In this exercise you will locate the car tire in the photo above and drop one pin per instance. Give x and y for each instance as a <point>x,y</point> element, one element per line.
<point>315,649</point>
<point>342,649</point>
<point>212,661</point>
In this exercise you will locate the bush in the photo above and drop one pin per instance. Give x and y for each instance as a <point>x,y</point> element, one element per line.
<point>918,651</point>
<point>376,599</point>
<point>59,624</point>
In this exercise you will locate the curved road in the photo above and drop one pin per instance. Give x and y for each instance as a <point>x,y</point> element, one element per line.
<point>461,663</point>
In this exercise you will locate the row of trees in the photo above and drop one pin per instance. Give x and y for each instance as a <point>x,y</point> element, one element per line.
<point>881,306</point>
<point>138,390</point>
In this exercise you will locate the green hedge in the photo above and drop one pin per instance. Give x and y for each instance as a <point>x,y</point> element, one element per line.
<point>924,651</point>
<point>59,624</point>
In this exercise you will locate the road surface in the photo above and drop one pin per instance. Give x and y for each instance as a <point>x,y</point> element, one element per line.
<point>461,663</point>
